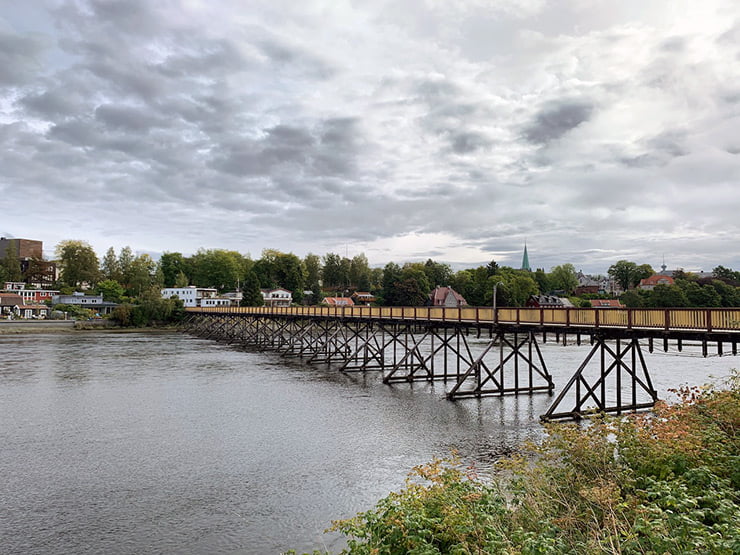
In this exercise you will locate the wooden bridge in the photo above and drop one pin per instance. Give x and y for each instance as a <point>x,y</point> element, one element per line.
<point>433,343</point>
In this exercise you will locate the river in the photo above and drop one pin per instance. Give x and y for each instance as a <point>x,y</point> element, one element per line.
<point>164,443</point>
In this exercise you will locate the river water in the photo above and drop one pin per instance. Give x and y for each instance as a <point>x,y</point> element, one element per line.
<point>164,443</point>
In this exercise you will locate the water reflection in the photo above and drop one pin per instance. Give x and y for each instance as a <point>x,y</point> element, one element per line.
<point>165,443</point>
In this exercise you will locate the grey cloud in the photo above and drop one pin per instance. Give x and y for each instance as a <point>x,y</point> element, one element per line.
<point>557,118</point>
<point>126,117</point>
<point>465,143</point>
<point>19,58</point>
<point>51,103</point>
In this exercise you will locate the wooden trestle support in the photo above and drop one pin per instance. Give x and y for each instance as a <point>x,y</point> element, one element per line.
<point>612,378</point>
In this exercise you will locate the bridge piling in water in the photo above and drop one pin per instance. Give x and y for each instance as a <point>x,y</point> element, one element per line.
<point>409,344</point>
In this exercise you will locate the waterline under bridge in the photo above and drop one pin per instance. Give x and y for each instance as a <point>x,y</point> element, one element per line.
<point>410,344</point>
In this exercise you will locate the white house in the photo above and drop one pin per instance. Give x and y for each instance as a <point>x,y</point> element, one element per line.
<point>214,301</point>
<point>194,296</point>
<point>277,297</point>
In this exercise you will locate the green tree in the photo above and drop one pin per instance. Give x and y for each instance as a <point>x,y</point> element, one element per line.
<point>518,287</point>
<point>140,274</point>
<point>391,276</point>
<point>698,295</point>
<point>312,267</point>
<point>125,259</point>
<point>36,271</point>
<point>111,290</point>
<point>543,280</point>
<point>331,273</point>
<point>251,295</point>
<point>78,263</point>
<point>172,265</point>
<point>667,296</point>
<point>11,264</point>
<point>289,274</point>
<point>359,272</point>
<point>623,272</point>
<point>182,280</point>
<point>416,271</point>
<point>110,269</point>
<point>408,292</point>
<point>437,273</point>
<point>217,268</point>
<point>564,278</point>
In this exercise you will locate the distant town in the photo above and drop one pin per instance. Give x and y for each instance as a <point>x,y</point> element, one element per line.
<point>138,290</point>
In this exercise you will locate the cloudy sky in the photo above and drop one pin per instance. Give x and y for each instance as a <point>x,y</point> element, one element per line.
<point>594,130</point>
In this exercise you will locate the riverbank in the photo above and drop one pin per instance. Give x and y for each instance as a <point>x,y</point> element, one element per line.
<point>12,327</point>
<point>666,482</point>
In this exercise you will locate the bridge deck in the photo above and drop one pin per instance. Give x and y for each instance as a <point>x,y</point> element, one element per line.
<point>702,320</point>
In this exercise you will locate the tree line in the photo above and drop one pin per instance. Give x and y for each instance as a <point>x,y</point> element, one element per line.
<point>123,277</point>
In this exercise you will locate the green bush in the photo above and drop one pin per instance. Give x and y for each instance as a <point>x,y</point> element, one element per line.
<point>664,482</point>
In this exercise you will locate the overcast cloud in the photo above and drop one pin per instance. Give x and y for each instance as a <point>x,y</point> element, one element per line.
<point>593,130</point>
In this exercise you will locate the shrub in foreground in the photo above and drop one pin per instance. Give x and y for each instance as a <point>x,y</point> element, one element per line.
<point>664,482</point>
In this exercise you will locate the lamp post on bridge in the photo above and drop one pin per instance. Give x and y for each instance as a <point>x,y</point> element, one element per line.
<point>495,286</point>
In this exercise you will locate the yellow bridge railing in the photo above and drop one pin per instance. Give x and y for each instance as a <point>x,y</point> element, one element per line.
<point>689,319</point>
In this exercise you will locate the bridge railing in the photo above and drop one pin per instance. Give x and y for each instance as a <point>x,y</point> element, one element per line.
<point>704,319</point>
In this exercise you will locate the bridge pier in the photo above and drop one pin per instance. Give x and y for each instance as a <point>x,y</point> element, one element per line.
<point>632,389</point>
<point>488,379</point>
<point>411,344</point>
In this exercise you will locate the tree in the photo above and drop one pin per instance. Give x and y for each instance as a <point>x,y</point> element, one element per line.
<point>409,293</point>
<point>698,295</point>
<point>391,276</point>
<point>720,272</point>
<point>172,265</point>
<point>312,267</point>
<point>78,263</point>
<point>564,278</point>
<point>667,296</point>
<point>111,290</point>
<point>624,273</point>
<point>217,268</point>
<point>359,272</point>
<point>332,271</point>
<point>110,268</point>
<point>289,274</point>
<point>643,271</point>
<point>36,271</point>
<point>518,287</point>
<point>140,274</point>
<point>11,264</point>
<point>182,280</point>
<point>125,258</point>
<point>542,279</point>
<point>416,272</point>
<point>251,295</point>
<point>437,273</point>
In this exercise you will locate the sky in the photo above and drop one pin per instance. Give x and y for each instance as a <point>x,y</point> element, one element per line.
<point>591,130</point>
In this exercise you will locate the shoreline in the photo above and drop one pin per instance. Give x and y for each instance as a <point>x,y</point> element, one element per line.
<point>17,327</point>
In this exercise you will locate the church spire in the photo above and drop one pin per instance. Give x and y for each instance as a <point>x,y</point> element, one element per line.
<point>525,259</point>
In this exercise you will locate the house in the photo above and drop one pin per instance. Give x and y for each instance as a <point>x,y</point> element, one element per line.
<point>363,298</point>
<point>648,284</point>
<point>338,301</point>
<point>39,311</point>
<point>606,303</point>
<point>194,296</point>
<point>30,296</point>
<point>214,301</point>
<point>446,296</point>
<point>548,301</point>
<point>93,302</point>
<point>235,297</point>
<point>9,303</point>
<point>277,297</point>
